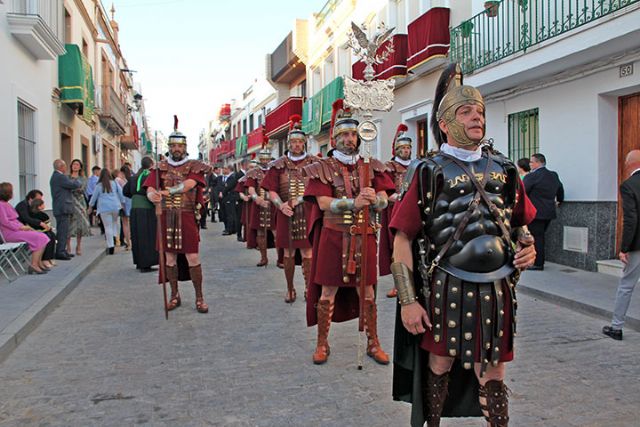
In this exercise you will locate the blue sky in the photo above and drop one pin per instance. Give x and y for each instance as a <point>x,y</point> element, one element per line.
<point>191,56</point>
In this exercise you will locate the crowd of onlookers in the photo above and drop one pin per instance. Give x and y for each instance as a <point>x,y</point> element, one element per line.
<point>78,203</point>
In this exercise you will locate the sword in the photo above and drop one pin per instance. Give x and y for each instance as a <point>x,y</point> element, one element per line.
<point>163,276</point>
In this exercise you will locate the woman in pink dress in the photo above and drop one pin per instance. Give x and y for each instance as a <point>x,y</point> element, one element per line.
<point>14,231</point>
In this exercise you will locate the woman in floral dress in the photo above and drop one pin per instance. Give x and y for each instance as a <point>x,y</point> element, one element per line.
<point>79,226</point>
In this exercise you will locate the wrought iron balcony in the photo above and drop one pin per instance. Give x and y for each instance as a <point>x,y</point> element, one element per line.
<point>510,26</point>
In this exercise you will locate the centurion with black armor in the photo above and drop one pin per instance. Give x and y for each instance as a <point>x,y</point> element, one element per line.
<point>460,243</point>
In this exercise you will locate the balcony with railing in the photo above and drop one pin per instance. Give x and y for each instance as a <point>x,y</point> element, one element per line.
<point>37,24</point>
<point>131,141</point>
<point>512,26</point>
<point>111,109</point>
<point>277,121</point>
<point>285,66</point>
<point>428,37</point>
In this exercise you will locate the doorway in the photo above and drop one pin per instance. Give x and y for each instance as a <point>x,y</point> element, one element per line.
<point>628,139</point>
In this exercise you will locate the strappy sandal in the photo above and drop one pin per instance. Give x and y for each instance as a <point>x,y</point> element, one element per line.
<point>201,306</point>
<point>174,302</point>
<point>291,297</point>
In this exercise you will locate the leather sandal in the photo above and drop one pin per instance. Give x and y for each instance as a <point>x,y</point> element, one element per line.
<point>174,302</point>
<point>291,297</point>
<point>201,306</point>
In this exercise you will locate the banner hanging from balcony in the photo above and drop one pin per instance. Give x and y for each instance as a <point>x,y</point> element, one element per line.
<point>75,80</point>
<point>317,110</point>
<point>428,37</point>
<point>241,146</point>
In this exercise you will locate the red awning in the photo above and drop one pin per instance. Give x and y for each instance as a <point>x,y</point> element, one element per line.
<point>428,37</point>
<point>278,119</point>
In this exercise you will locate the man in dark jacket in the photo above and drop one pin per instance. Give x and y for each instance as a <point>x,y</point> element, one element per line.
<point>630,246</point>
<point>212,188</point>
<point>61,187</point>
<point>544,190</point>
<point>233,209</point>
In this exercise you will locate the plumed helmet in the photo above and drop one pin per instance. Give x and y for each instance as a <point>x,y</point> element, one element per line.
<point>401,139</point>
<point>451,94</point>
<point>295,128</point>
<point>176,136</point>
<point>341,121</point>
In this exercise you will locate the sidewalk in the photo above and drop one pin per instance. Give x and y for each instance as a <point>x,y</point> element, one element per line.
<point>584,291</point>
<point>26,302</point>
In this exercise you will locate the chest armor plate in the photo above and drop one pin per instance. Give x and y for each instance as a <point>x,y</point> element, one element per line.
<point>481,247</point>
<point>292,183</point>
<point>399,171</point>
<point>172,176</point>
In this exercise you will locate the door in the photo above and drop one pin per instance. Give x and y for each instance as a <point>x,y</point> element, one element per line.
<point>628,139</point>
<point>423,146</point>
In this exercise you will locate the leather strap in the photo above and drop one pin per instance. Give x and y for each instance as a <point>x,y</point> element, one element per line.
<point>438,303</point>
<point>498,320</point>
<point>454,302</point>
<point>486,304</point>
<point>468,316</point>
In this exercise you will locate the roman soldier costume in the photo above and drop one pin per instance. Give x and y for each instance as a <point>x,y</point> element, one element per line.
<point>284,178</point>
<point>465,212</point>
<point>397,168</point>
<point>337,236</point>
<point>261,218</point>
<point>180,216</point>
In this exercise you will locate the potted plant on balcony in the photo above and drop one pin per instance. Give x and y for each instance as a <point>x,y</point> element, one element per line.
<point>492,8</point>
<point>466,28</point>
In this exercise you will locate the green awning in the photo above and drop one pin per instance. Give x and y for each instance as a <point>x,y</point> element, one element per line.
<point>75,80</point>
<point>241,146</point>
<point>146,142</point>
<point>317,110</point>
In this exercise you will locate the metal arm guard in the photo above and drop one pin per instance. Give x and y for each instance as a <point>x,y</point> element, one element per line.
<point>176,189</point>
<point>403,282</point>
<point>342,205</point>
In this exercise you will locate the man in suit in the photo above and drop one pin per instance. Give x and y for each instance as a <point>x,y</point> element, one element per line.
<point>212,189</point>
<point>61,187</point>
<point>630,246</point>
<point>226,214</point>
<point>232,200</point>
<point>544,190</point>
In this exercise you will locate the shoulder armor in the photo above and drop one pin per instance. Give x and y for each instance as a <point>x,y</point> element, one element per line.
<point>279,163</point>
<point>378,166</point>
<point>197,166</point>
<point>163,165</point>
<point>255,173</point>
<point>320,169</point>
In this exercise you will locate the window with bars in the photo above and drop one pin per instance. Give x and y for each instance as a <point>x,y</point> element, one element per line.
<point>523,134</point>
<point>26,148</point>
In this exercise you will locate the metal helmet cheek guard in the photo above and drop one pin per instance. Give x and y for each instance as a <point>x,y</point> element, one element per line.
<point>451,94</point>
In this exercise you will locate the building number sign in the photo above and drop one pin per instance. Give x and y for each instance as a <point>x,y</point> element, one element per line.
<point>626,70</point>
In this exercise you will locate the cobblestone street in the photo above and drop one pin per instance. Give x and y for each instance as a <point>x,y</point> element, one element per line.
<point>107,357</point>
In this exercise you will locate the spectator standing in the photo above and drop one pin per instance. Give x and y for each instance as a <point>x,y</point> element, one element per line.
<point>14,231</point>
<point>524,167</point>
<point>212,185</point>
<point>122,177</point>
<point>79,225</point>
<point>38,221</point>
<point>61,193</point>
<point>143,220</point>
<point>630,246</point>
<point>545,192</point>
<point>91,185</point>
<point>108,199</point>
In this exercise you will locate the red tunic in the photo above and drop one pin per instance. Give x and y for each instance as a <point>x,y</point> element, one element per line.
<point>190,230</point>
<point>245,212</point>
<point>254,221</point>
<point>271,182</point>
<point>327,252</point>
<point>406,218</point>
<point>396,173</point>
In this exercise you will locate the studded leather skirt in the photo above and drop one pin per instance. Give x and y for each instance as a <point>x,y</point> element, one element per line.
<point>474,322</point>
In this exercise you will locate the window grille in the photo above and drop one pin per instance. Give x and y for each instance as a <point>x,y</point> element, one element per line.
<point>26,148</point>
<point>523,134</point>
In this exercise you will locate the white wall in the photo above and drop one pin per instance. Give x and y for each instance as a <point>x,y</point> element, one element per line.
<point>578,125</point>
<point>24,78</point>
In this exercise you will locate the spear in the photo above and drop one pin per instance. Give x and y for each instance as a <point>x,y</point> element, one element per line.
<point>159,239</point>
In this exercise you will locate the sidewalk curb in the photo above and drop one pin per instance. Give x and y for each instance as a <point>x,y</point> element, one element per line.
<point>585,308</point>
<point>29,320</point>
